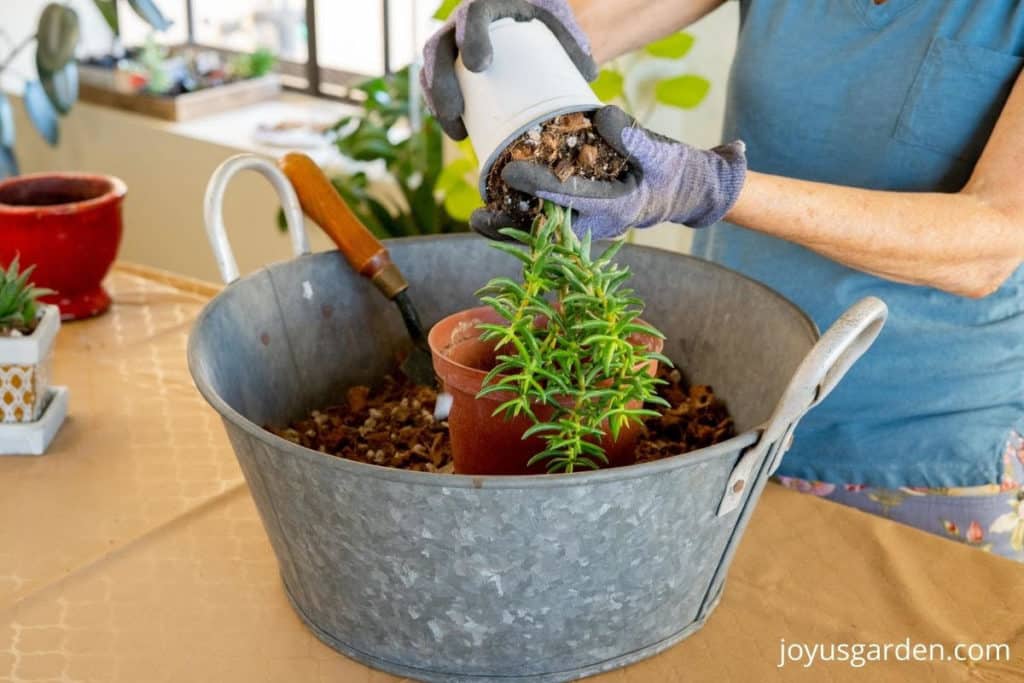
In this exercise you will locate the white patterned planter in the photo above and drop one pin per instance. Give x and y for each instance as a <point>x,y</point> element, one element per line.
<point>24,370</point>
<point>33,438</point>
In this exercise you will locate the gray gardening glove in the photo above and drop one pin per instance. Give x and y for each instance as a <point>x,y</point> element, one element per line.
<point>668,181</point>
<point>467,32</point>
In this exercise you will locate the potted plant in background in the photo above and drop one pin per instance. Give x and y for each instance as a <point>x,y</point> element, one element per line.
<point>558,371</point>
<point>69,226</point>
<point>55,90</point>
<point>31,411</point>
<point>433,197</point>
<point>177,83</point>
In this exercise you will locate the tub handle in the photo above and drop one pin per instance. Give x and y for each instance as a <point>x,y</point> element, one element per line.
<point>818,374</point>
<point>213,209</point>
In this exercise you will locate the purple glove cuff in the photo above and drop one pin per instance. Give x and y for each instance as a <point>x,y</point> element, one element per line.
<point>676,183</point>
<point>710,202</point>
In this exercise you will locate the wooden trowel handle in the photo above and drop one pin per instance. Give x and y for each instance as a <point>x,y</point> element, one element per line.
<point>324,206</point>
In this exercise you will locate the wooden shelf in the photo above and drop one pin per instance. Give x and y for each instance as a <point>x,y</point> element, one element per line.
<point>188,105</point>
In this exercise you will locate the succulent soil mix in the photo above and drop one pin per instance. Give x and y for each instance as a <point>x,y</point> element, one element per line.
<point>393,425</point>
<point>569,145</point>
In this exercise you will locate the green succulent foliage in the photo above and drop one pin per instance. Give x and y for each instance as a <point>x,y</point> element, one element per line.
<point>253,65</point>
<point>18,298</point>
<point>582,365</point>
<point>153,58</point>
<point>435,198</point>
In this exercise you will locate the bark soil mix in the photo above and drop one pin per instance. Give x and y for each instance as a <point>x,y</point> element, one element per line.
<point>569,145</point>
<point>393,425</point>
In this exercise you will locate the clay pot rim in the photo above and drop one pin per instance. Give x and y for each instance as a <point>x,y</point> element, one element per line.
<point>468,378</point>
<point>115,191</point>
<point>440,347</point>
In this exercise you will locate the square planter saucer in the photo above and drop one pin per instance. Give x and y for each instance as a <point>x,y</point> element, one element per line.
<point>33,438</point>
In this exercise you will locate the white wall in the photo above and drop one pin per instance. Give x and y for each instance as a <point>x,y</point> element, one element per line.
<point>167,166</point>
<point>711,57</point>
<point>18,19</point>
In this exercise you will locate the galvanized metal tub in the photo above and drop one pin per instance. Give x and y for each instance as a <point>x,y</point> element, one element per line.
<point>543,578</point>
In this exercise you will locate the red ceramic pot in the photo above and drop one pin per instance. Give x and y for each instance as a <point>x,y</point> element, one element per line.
<point>69,226</point>
<point>483,443</point>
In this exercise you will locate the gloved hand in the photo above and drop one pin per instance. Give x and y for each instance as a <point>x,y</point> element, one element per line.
<point>668,181</point>
<point>468,32</point>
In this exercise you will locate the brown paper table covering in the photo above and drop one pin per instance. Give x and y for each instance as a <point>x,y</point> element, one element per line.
<point>132,551</point>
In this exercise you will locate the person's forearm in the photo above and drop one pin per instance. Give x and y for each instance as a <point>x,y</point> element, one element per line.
<point>959,243</point>
<point>618,26</point>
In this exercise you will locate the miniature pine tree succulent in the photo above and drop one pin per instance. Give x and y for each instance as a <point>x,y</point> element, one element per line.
<point>569,343</point>
<point>18,298</point>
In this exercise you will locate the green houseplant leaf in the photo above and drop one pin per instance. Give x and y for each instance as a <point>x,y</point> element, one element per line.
<point>56,37</point>
<point>108,8</point>
<point>682,92</point>
<point>675,46</point>
<point>461,201</point>
<point>609,85</point>
<point>41,112</point>
<point>151,14</point>
<point>8,162</point>
<point>6,121</point>
<point>446,9</point>
<point>61,86</point>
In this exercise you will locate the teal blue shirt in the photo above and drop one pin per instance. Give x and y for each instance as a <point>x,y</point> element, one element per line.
<point>899,96</point>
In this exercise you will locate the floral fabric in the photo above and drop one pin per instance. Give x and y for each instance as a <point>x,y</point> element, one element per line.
<point>990,517</point>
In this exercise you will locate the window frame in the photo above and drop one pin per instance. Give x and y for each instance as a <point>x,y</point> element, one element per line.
<point>310,76</point>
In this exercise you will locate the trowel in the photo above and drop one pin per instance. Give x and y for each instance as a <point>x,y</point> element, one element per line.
<point>364,252</point>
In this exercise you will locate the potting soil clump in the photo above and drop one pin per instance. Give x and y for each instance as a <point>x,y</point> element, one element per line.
<point>393,425</point>
<point>570,146</point>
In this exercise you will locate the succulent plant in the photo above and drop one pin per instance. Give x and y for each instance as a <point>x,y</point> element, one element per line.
<point>583,361</point>
<point>19,298</point>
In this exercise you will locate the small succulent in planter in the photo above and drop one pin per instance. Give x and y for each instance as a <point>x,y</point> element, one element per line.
<point>27,331</point>
<point>572,342</point>
<point>19,300</point>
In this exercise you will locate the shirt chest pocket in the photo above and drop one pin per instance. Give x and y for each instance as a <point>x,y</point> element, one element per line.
<point>956,98</point>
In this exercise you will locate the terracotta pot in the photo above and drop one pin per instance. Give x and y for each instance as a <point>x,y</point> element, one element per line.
<point>483,443</point>
<point>69,226</point>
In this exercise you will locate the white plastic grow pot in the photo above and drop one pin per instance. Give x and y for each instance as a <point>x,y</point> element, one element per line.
<point>530,80</point>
